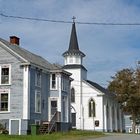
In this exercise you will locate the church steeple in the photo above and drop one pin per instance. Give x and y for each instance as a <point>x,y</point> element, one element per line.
<point>73,45</point>
<point>73,57</point>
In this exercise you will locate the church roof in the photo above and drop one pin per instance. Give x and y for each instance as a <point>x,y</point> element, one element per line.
<point>74,66</point>
<point>73,45</point>
<point>100,88</point>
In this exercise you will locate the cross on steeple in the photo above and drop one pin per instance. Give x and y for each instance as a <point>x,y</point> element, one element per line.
<point>73,18</point>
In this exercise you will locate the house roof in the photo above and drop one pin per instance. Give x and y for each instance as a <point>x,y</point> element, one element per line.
<point>100,88</point>
<point>59,68</point>
<point>73,45</point>
<point>28,56</point>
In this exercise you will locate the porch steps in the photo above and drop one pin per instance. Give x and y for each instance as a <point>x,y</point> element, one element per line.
<point>44,128</point>
<point>50,126</point>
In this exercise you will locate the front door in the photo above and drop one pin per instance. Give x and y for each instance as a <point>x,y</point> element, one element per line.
<point>53,107</point>
<point>15,130</point>
<point>73,120</point>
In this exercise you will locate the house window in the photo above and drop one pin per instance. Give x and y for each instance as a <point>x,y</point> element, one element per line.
<point>73,95</point>
<point>3,101</point>
<point>64,83</point>
<point>37,102</point>
<point>53,81</point>
<point>38,78</point>
<point>91,105</point>
<point>5,74</point>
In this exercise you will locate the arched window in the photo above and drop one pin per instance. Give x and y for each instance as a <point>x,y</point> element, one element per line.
<point>91,108</point>
<point>107,111</point>
<point>73,95</point>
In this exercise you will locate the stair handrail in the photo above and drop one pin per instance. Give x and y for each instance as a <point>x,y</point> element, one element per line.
<point>53,121</point>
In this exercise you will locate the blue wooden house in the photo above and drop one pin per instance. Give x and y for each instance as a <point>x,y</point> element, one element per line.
<point>32,91</point>
<point>129,124</point>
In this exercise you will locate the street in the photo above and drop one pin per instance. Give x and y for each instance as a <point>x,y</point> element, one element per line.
<point>119,137</point>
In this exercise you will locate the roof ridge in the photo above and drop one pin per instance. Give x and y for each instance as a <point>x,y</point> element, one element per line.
<point>29,56</point>
<point>100,88</point>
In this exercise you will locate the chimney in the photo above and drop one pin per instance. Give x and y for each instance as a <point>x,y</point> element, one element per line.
<point>14,40</point>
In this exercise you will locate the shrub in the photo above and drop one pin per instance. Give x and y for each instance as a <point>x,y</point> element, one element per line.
<point>3,130</point>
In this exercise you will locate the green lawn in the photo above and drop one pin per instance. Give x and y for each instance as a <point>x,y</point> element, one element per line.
<point>72,135</point>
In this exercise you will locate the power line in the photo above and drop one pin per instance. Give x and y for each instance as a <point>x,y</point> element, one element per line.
<point>31,18</point>
<point>64,21</point>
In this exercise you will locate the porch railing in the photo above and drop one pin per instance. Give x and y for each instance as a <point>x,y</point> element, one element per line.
<point>56,118</point>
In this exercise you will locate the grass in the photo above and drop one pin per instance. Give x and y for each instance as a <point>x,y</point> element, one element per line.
<point>72,135</point>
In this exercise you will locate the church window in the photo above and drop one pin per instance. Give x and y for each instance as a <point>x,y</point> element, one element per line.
<point>77,59</point>
<point>70,59</point>
<point>107,111</point>
<point>118,113</point>
<point>73,95</point>
<point>91,108</point>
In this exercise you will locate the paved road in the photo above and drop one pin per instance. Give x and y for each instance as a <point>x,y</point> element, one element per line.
<point>119,137</point>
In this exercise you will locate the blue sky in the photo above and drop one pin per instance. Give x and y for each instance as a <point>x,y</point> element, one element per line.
<point>107,48</point>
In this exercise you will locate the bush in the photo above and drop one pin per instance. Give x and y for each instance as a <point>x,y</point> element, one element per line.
<point>3,130</point>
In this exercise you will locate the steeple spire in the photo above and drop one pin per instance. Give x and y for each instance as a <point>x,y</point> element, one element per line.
<point>73,45</point>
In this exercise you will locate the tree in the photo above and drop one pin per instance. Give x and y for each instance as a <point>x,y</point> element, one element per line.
<point>126,85</point>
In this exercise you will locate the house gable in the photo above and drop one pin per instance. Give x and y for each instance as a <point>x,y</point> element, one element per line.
<point>5,45</point>
<point>26,57</point>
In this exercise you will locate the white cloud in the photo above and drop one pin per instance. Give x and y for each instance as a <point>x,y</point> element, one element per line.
<point>108,48</point>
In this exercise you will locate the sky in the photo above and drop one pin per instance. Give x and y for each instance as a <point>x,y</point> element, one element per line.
<point>108,48</point>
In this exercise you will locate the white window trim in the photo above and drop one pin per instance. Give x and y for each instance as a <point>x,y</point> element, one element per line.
<point>36,92</point>
<point>37,71</point>
<point>9,66</point>
<point>6,91</point>
<point>55,81</point>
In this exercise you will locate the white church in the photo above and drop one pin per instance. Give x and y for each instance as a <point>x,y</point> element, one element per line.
<point>92,106</point>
